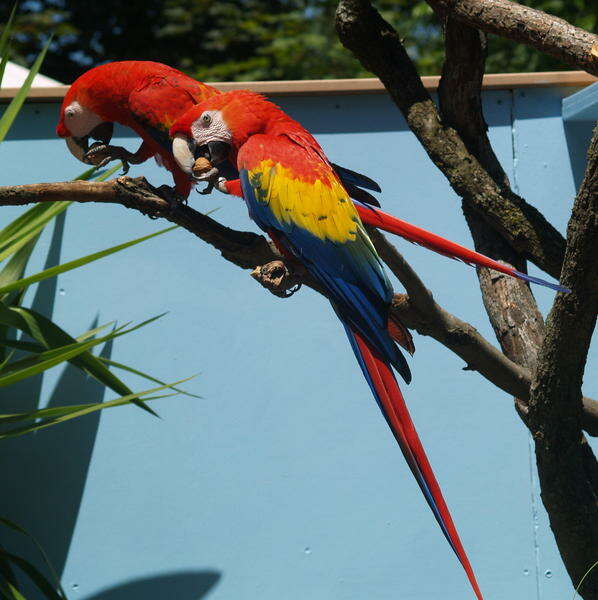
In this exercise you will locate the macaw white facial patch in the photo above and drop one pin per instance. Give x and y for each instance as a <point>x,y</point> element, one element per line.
<point>80,121</point>
<point>210,127</point>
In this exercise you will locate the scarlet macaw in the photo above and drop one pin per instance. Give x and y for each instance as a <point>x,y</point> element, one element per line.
<point>293,193</point>
<point>374,217</point>
<point>147,97</point>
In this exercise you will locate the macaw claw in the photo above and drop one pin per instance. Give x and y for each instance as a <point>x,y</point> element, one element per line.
<point>218,183</point>
<point>207,190</point>
<point>170,195</point>
<point>279,277</point>
<point>100,154</point>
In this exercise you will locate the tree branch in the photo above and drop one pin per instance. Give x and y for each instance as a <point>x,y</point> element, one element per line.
<point>512,309</point>
<point>243,248</point>
<point>509,302</point>
<point>529,26</point>
<point>376,44</point>
<point>251,251</point>
<point>556,402</point>
<point>458,144</point>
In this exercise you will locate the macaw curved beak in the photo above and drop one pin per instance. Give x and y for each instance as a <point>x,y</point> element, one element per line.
<point>79,146</point>
<point>216,151</point>
<point>186,152</point>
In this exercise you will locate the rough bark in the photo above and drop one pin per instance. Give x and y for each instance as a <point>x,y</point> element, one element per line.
<point>513,311</point>
<point>377,45</point>
<point>571,497</point>
<point>509,302</point>
<point>529,26</point>
<point>245,249</point>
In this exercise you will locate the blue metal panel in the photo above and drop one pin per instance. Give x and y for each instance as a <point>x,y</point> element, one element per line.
<point>549,158</point>
<point>283,481</point>
<point>583,105</point>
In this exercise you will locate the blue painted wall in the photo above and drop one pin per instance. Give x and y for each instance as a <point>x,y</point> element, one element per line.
<point>283,481</point>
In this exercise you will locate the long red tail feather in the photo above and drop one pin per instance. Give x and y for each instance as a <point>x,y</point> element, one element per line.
<point>391,401</point>
<point>417,235</point>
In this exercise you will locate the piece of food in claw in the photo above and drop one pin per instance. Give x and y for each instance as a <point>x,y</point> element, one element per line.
<point>201,167</point>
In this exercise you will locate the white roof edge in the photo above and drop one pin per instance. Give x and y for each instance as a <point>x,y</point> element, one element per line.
<point>15,76</point>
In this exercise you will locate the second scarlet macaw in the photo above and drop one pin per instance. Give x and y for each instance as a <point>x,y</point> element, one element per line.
<point>293,193</point>
<point>145,96</point>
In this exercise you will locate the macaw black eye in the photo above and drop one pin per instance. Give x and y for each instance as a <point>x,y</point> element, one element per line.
<point>206,120</point>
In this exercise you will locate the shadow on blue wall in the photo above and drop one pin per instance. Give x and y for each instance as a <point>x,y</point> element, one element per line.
<point>47,470</point>
<point>578,135</point>
<point>185,585</point>
<point>24,396</point>
<point>39,122</point>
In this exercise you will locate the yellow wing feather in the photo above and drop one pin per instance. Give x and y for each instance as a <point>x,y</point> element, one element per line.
<point>321,207</point>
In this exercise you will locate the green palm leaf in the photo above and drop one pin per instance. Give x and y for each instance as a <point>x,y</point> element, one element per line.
<point>57,415</point>
<point>10,592</point>
<point>50,335</point>
<point>4,42</point>
<point>34,574</point>
<point>11,525</point>
<point>74,264</point>
<point>38,363</point>
<point>12,110</point>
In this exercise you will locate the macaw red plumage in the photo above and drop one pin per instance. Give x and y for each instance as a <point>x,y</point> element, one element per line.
<point>146,96</point>
<point>293,193</point>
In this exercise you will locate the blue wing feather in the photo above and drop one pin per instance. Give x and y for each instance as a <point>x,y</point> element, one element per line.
<point>354,279</point>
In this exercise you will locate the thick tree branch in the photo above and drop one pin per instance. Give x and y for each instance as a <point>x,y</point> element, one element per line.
<point>529,26</point>
<point>509,302</point>
<point>556,402</point>
<point>457,143</point>
<point>251,251</point>
<point>377,45</point>
<point>243,248</point>
<point>511,307</point>
<point>460,93</point>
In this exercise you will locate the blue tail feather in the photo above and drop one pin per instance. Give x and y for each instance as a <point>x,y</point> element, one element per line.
<point>553,286</point>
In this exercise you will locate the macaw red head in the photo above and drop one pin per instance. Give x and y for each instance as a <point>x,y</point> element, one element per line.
<point>81,117</point>
<point>218,127</point>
